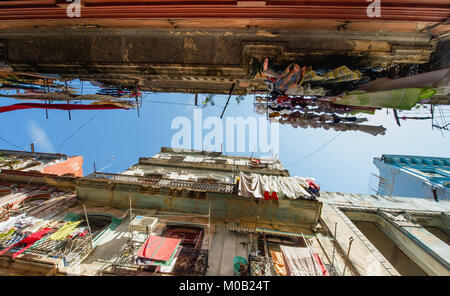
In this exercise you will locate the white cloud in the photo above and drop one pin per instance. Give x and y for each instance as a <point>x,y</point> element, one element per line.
<point>40,138</point>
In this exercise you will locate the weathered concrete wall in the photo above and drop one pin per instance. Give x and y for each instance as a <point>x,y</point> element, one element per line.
<point>73,165</point>
<point>303,213</point>
<point>430,253</point>
<point>205,61</point>
<point>365,259</point>
<point>401,262</point>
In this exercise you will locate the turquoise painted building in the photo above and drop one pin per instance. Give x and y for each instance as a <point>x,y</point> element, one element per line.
<point>414,176</point>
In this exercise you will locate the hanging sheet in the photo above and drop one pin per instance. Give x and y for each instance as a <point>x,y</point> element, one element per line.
<point>340,74</point>
<point>273,187</point>
<point>401,99</point>
<point>169,268</point>
<point>321,265</point>
<point>429,79</point>
<point>16,197</point>
<point>27,241</point>
<point>6,234</point>
<point>300,262</point>
<point>59,107</point>
<point>65,230</point>
<point>250,185</point>
<point>278,263</point>
<point>158,248</point>
<point>161,264</point>
<point>8,224</point>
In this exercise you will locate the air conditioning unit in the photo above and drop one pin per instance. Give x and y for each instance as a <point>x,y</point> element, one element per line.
<point>143,224</point>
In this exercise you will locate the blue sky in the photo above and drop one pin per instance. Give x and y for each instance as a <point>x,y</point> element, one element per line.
<point>115,139</point>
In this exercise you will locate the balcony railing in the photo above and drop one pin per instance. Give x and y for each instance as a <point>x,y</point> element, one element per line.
<point>126,179</point>
<point>165,183</point>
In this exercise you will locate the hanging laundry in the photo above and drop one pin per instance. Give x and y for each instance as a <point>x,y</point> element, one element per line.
<point>439,78</point>
<point>27,242</point>
<point>313,188</point>
<point>278,262</point>
<point>169,267</point>
<point>65,230</point>
<point>158,248</point>
<point>300,261</point>
<point>305,123</point>
<point>8,224</point>
<point>401,99</point>
<point>321,265</point>
<point>16,196</point>
<point>7,234</point>
<point>59,107</point>
<point>250,185</point>
<point>168,264</point>
<point>306,90</point>
<point>290,78</point>
<point>273,187</point>
<point>81,231</point>
<point>24,222</point>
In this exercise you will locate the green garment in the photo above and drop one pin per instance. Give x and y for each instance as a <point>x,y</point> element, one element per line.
<point>114,223</point>
<point>6,234</point>
<point>401,99</point>
<point>65,230</point>
<point>72,217</point>
<point>340,74</point>
<point>98,237</point>
<point>168,262</point>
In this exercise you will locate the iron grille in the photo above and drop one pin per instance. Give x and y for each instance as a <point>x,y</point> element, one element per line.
<point>207,187</point>
<point>262,266</point>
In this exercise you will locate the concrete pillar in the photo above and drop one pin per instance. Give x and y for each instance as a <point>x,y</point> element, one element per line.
<point>425,249</point>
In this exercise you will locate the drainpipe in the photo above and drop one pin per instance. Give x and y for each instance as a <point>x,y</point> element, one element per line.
<point>348,254</point>
<point>434,190</point>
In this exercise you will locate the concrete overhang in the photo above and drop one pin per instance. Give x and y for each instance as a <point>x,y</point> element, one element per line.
<point>36,178</point>
<point>224,206</point>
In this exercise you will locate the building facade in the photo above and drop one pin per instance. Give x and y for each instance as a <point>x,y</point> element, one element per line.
<point>414,176</point>
<point>206,47</point>
<point>48,163</point>
<point>215,209</point>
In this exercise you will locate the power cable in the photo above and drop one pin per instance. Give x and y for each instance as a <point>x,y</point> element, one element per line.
<point>6,141</point>
<point>73,134</point>
<point>312,153</point>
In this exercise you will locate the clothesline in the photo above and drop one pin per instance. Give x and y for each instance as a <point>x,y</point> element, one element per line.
<point>276,187</point>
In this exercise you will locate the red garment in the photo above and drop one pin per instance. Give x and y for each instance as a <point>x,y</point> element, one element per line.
<point>274,196</point>
<point>321,265</point>
<point>258,161</point>
<point>282,99</point>
<point>28,241</point>
<point>59,107</point>
<point>158,248</point>
<point>312,184</point>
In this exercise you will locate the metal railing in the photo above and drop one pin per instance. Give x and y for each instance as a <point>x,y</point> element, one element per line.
<point>190,262</point>
<point>261,266</point>
<point>166,183</point>
<point>119,178</point>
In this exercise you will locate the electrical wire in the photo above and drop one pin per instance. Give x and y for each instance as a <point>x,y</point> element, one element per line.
<point>6,141</point>
<point>74,133</point>
<point>312,153</point>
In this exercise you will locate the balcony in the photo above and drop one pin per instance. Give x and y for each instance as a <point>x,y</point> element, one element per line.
<point>164,183</point>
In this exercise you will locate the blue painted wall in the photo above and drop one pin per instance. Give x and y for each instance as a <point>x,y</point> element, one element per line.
<point>414,176</point>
